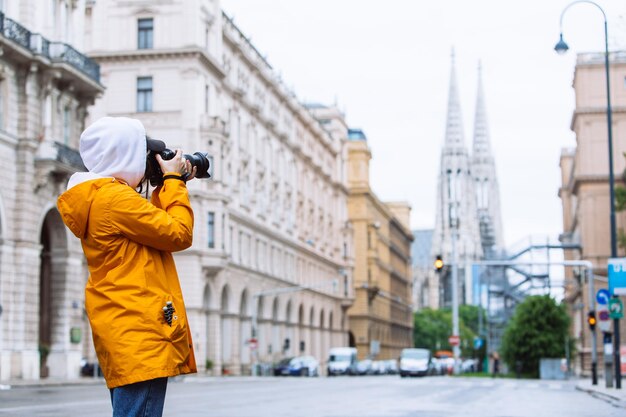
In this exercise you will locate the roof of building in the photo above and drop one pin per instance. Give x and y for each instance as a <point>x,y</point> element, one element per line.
<point>356,134</point>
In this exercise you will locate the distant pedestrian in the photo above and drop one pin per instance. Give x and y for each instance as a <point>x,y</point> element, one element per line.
<point>496,364</point>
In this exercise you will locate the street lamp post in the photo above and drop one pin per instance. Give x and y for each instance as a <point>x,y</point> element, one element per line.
<point>561,47</point>
<point>453,221</point>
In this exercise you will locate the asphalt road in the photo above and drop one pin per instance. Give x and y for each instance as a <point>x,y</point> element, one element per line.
<point>375,396</point>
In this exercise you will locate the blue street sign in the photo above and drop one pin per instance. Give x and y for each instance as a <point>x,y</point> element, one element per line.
<point>603,296</point>
<point>478,343</point>
<point>617,276</point>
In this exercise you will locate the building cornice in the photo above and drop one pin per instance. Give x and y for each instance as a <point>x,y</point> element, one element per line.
<point>585,111</point>
<point>161,54</point>
<point>580,180</point>
<point>366,192</point>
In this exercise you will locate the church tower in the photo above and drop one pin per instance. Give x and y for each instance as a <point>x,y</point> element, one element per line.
<point>456,204</point>
<point>483,170</point>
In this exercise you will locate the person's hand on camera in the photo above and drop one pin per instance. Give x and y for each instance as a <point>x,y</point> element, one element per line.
<point>177,164</point>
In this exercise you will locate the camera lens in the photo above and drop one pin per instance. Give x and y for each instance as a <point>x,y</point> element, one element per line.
<point>201,162</point>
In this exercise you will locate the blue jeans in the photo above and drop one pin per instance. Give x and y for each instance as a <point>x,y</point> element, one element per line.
<point>142,399</point>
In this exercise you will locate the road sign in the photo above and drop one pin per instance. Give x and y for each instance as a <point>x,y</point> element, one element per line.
<point>252,343</point>
<point>478,343</point>
<point>617,276</point>
<point>616,308</point>
<point>602,296</point>
<point>604,321</point>
<point>454,340</point>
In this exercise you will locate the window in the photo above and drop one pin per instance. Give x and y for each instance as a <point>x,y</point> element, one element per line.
<point>206,99</point>
<point>66,125</point>
<point>145,29</point>
<point>207,31</point>
<point>211,230</point>
<point>144,94</point>
<point>1,100</point>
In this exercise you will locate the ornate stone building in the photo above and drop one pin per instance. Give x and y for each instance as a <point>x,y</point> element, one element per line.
<point>46,86</point>
<point>584,188</point>
<point>272,242</point>
<point>381,319</point>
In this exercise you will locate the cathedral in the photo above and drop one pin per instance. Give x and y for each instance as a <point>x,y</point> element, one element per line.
<point>468,219</point>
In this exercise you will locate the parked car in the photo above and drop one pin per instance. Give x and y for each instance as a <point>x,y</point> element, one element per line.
<point>437,367</point>
<point>468,365</point>
<point>379,368</point>
<point>281,368</point>
<point>391,367</point>
<point>304,366</point>
<point>364,367</point>
<point>342,361</point>
<point>415,362</point>
<point>446,358</point>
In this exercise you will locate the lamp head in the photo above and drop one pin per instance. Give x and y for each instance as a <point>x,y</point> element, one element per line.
<point>561,47</point>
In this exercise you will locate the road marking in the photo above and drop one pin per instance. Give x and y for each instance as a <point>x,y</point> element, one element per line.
<point>61,406</point>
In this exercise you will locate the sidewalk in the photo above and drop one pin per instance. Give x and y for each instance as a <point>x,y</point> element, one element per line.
<point>615,396</point>
<point>49,382</point>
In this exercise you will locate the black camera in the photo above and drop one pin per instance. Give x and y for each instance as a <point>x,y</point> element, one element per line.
<point>153,170</point>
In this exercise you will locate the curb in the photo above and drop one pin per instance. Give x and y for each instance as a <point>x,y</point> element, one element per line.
<point>615,400</point>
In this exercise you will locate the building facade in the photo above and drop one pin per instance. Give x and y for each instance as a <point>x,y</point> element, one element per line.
<point>269,272</point>
<point>381,319</point>
<point>468,217</point>
<point>584,188</point>
<point>46,87</point>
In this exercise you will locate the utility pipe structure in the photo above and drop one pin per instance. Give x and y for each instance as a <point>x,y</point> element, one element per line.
<point>591,295</point>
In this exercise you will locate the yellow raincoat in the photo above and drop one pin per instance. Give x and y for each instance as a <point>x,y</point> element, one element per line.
<point>128,243</point>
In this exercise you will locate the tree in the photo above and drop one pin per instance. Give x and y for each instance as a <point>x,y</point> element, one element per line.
<point>431,329</point>
<point>538,329</point>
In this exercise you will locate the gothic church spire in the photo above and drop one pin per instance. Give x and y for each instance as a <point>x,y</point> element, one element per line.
<point>454,120</point>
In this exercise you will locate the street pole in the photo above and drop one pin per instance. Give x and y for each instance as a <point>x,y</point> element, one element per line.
<point>561,47</point>
<point>453,221</point>
<point>455,300</point>
<point>609,121</point>
<point>594,341</point>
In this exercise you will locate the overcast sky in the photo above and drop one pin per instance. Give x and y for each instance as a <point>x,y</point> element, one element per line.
<point>387,65</point>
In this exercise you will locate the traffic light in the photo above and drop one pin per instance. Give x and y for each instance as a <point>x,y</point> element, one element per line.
<point>591,320</point>
<point>438,263</point>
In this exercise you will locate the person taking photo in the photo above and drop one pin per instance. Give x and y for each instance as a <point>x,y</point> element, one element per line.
<point>133,296</point>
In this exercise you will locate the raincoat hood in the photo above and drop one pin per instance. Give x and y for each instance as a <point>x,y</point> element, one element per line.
<point>113,147</point>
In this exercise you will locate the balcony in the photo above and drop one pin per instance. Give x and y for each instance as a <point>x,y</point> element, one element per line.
<point>57,162</point>
<point>55,52</point>
<point>214,124</point>
<point>64,53</point>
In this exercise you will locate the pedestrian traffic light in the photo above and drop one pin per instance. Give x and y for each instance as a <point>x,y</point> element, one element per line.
<point>438,263</point>
<point>591,319</point>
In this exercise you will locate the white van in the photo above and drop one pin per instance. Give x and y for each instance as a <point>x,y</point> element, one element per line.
<point>342,361</point>
<point>415,362</point>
